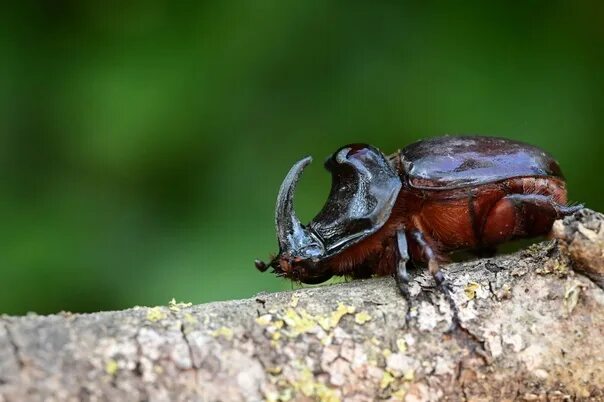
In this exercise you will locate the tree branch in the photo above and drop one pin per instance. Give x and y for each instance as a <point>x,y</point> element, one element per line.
<point>532,328</point>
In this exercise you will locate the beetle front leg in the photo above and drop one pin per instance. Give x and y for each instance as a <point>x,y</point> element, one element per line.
<point>401,275</point>
<point>439,278</point>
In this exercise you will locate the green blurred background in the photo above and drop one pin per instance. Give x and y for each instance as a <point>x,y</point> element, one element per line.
<point>142,144</point>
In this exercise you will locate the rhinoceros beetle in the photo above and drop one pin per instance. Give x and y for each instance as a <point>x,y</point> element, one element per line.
<point>426,200</point>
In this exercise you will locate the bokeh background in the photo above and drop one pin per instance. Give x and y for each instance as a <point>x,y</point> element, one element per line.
<point>142,143</point>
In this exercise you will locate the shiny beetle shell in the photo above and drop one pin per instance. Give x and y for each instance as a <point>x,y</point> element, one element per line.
<point>454,162</point>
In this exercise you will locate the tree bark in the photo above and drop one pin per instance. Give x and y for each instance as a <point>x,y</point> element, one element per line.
<point>532,328</point>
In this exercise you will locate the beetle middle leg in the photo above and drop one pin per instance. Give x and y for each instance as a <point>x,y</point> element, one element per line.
<point>439,278</point>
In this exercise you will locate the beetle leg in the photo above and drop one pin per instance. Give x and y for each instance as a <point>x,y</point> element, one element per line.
<point>402,276</point>
<point>522,215</point>
<point>439,278</point>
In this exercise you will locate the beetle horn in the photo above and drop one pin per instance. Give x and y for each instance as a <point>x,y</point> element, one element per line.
<point>290,231</point>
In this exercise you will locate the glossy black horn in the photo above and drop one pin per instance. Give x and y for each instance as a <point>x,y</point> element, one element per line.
<point>290,231</point>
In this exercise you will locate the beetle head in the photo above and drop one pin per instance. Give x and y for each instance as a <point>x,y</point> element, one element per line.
<point>363,191</point>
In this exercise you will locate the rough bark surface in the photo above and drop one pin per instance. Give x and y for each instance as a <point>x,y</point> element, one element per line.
<point>532,328</point>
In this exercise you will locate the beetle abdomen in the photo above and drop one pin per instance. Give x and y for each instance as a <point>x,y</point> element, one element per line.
<point>493,213</point>
<point>455,162</point>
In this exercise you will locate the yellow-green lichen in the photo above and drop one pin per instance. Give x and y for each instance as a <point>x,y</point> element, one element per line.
<point>326,394</point>
<point>362,317</point>
<point>571,296</point>
<point>299,383</point>
<point>386,380</point>
<point>331,321</point>
<point>307,385</point>
<point>272,397</point>
<point>155,314</point>
<point>298,323</point>
<point>294,301</point>
<point>505,292</point>
<point>189,318</point>
<point>399,395</point>
<point>557,267</point>
<point>111,367</point>
<point>175,307</point>
<point>224,332</point>
<point>276,370</point>
<point>273,329</point>
<point>264,320</point>
<point>470,290</point>
<point>326,340</point>
<point>286,395</point>
<point>401,344</point>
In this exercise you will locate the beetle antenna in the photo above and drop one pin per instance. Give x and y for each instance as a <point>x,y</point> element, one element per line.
<point>261,265</point>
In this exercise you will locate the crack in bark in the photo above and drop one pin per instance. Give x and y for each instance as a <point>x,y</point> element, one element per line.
<point>189,348</point>
<point>478,345</point>
<point>464,392</point>
<point>492,288</point>
<point>138,368</point>
<point>15,348</point>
